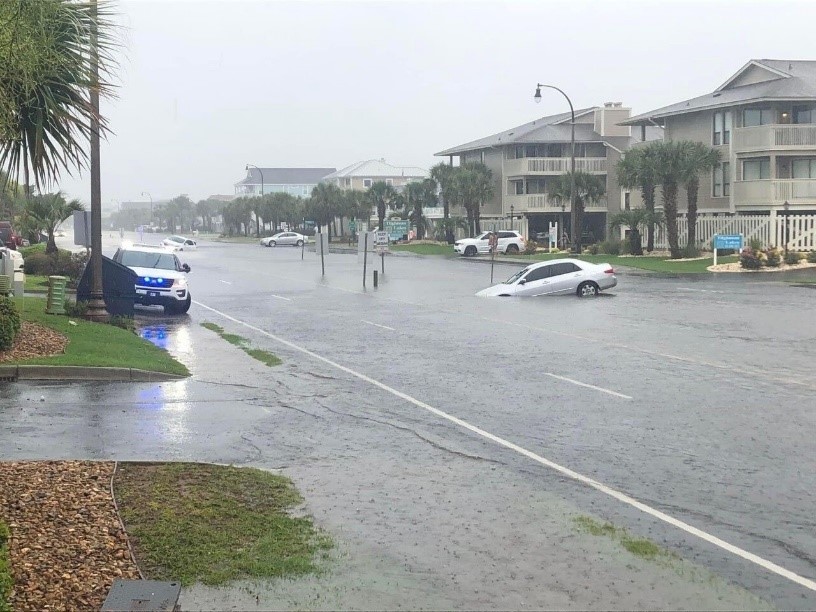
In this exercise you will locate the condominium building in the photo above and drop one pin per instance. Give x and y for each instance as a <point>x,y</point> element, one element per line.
<point>363,174</point>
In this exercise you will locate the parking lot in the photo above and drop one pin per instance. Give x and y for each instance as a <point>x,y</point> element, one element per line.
<point>449,439</point>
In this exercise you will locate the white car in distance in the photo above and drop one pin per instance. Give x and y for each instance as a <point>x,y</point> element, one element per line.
<point>284,238</point>
<point>508,242</point>
<point>179,243</point>
<point>554,277</point>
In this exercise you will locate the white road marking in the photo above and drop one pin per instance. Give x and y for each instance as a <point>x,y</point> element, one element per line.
<point>378,325</point>
<point>622,497</point>
<point>280,297</point>
<point>700,290</point>
<point>225,282</point>
<point>588,386</point>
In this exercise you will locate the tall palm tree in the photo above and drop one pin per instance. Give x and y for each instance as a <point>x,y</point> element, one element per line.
<point>589,188</point>
<point>442,174</point>
<point>47,211</point>
<point>472,186</point>
<point>637,170</point>
<point>636,220</point>
<point>383,196</point>
<point>670,165</point>
<point>698,158</point>
<point>327,203</point>
<point>45,110</point>
<point>418,196</point>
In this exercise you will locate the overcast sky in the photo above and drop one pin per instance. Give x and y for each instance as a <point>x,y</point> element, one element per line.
<point>209,86</point>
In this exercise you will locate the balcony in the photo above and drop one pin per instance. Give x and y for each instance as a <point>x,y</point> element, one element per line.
<point>543,203</point>
<point>775,138</point>
<point>801,192</point>
<point>531,166</point>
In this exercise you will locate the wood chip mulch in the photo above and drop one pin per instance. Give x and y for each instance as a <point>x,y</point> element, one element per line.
<point>35,340</point>
<point>66,545</point>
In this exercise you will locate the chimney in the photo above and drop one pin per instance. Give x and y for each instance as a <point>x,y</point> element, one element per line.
<point>608,117</point>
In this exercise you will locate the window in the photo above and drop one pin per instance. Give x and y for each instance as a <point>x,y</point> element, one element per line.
<point>626,201</point>
<point>722,128</point>
<point>564,268</point>
<point>389,181</point>
<point>804,114</point>
<point>508,235</point>
<point>539,273</point>
<point>756,169</point>
<point>757,116</point>
<point>366,182</point>
<point>721,183</point>
<point>718,128</point>
<point>804,168</point>
<point>519,187</point>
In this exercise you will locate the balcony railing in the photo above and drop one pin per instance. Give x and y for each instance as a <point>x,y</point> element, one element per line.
<point>542,202</point>
<point>553,165</point>
<point>774,137</point>
<point>775,192</point>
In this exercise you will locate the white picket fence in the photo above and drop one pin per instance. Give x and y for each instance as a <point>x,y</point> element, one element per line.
<point>769,229</point>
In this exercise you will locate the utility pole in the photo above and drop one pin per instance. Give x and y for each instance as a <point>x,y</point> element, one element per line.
<point>96,306</point>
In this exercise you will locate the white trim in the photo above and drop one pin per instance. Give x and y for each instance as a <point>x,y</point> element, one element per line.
<point>751,64</point>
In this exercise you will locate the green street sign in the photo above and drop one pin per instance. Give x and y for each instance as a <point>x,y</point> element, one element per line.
<point>396,228</point>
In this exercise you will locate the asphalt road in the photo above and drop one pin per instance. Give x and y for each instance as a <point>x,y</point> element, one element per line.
<point>430,429</point>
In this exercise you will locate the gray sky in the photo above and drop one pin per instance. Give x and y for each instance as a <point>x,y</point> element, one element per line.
<point>209,86</point>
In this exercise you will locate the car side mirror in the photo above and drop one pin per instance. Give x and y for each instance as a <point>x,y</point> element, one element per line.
<point>186,267</point>
<point>523,281</point>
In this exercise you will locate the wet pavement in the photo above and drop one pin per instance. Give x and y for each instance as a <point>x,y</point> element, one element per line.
<point>701,405</point>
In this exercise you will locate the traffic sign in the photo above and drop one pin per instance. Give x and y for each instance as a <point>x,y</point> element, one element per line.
<point>381,238</point>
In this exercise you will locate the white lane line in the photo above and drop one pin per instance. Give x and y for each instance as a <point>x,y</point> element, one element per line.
<point>378,325</point>
<point>699,290</point>
<point>280,297</point>
<point>622,497</point>
<point>588,386</point>
<point>225,282</point>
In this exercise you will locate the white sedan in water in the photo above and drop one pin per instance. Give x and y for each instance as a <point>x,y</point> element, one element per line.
<point>557,276</point>
<point>284,238</point>
<point>179,243</point>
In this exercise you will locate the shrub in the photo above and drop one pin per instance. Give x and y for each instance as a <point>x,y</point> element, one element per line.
<point>755,244</point>
<point>594,249</point>
<point>793,257</point>
<point>9,323</point>
<point>62,263</point>
<point>811,257</point>
<point>751,259</point>
<point>690,251</point>
<point>530,247</point>
<point>121,321</point>
<point>76,309</point>
<point>773,257</point>
<point>611,247</point>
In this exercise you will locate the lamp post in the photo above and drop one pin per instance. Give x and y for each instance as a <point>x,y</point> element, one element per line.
<point>786,206</point>
<point>576,231</point>
<point>257,220</point>
<point>511,217</point>
<point>145,193</point>
<point>561,222</point>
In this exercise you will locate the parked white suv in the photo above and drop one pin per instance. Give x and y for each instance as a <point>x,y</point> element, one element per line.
<point>509,242</point>
<point>162,280</point>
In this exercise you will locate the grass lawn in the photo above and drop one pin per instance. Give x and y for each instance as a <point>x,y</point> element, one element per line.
<point>213,524</point>
<point>425,249</point>
<point>35,282</point>
<point>242,343</point>
<point>654,264</point>
<point>97,344</point>
<point>5,569</point>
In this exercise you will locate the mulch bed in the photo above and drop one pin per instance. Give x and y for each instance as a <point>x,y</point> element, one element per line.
<point>35,340</point>
<point>67,544</point>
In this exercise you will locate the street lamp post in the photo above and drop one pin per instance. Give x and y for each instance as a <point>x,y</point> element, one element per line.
<point>576,231</point>
<point>257,221</point>
<point>561,222</point>
<point>786,206</point>
<point>511,217</point>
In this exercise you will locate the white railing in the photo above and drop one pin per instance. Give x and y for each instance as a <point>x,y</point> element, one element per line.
<point>775,192</point>
<point>767,137</point>
<point>542,202</point>
<point>795,189</point>
<point>553,165</point>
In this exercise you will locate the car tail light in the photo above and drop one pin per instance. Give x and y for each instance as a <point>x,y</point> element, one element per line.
<point>609,271</point>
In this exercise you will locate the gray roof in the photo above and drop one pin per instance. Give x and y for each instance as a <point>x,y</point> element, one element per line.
<point>373,168</point>
<point>286,176</point>
<point>545,129</point>
<point>788,80</point>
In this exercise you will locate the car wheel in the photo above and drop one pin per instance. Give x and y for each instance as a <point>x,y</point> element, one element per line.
<point>512,248</point>
<point>272,243</point>
<point>183,308</point>
<point>299,243</point>
<point>588,289</point>
<point>470,251</point>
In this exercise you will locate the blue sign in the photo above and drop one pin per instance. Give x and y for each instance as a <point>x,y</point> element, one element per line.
<point>728,241</point>
<point>396,228</point>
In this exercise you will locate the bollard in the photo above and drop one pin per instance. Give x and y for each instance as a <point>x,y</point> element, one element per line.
<point>375,278</point>
<point>56,295</point>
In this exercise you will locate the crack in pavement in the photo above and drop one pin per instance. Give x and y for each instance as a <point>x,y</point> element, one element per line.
<point>416,433</point>
<point>290,407</point>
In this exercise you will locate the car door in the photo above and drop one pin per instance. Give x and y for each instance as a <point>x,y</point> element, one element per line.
<point>566,277</point>
<point>483,243</point>
<point>537,281</point>
<point>505,238</point>
<point>288,238</point>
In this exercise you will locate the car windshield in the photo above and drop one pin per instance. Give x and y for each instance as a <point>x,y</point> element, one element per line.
<point>147,259</point>
<point>516,276</point>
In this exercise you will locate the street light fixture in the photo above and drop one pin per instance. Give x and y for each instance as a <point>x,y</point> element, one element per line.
<point>576,231</point>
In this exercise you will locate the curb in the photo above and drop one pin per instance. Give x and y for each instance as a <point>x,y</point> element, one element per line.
<point>13,373</point>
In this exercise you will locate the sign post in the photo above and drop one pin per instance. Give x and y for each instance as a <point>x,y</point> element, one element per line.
<point>322,240</point>
<point>365,256</point>
<point>732,242</point>
<point>494,246</point>
<point>303,245</point>
<point>381,246</point>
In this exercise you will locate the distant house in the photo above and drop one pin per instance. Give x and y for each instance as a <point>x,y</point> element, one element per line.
<point>294,181</point>
<point>363,174</point>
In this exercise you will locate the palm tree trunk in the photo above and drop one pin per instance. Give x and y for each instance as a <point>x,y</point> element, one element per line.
<point>692,187</point>
<point>446,215</point>
<point>578,223</point>
<point>635,242</point>
<point>648,192</point>
<point>670,211</point>
<point>380,215</point>
<point>477,214</point>
<point>51,245</point>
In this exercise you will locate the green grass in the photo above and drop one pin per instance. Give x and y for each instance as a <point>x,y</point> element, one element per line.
<point>35,282</point>
<point>653,264</point>
<point>5,570</point>
<point>97,344</point>
<point>261,355</point>
<point>425,249</point>
<point>215,524</point>
<point>640,547</point>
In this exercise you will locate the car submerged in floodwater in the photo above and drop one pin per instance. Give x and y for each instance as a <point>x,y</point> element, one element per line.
<point>556,277</point>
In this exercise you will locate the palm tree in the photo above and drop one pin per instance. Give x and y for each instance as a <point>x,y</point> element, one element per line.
<point>382,196</point>
<point>45,110</point>
<point>357,206</point>
<point>442,174</point>
<point>670,166</point>
<point>471,186</point>
<point>327,203</point>
<point>447,227</point>
<point>589,188</point>
<point>47,211</point>
<point>637,170</point>
<point>418,196</point>
<point>698,158</point>
<point>636,220</point>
